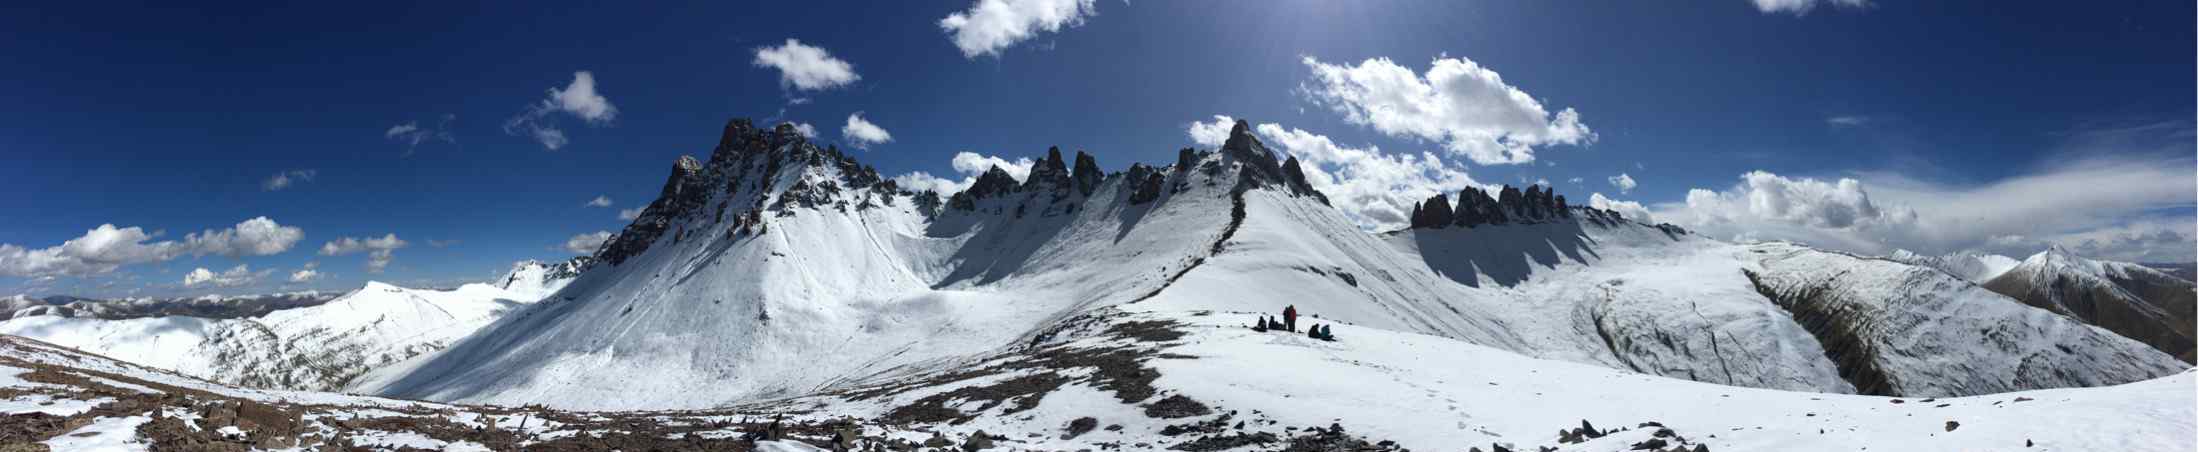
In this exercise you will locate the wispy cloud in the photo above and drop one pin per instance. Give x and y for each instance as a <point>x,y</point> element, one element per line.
<point>285,179</point>
<point>578,99</point>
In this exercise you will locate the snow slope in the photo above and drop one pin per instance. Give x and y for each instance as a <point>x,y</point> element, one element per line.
<point>1969,266</point>
<point>777,268</point>
<point>1434,393</point>
<point>2130,299</point>
<point>320,347</point>
<point>1154,381</point>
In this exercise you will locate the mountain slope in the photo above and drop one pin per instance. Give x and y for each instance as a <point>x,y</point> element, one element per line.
<point>777,268</point>
<point>1969,266</point>
<point>1153,381</point>
<point>319,347</point>
<point>2129,299</point>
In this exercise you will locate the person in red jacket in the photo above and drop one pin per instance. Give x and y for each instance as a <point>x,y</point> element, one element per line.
<point>1289,318</point>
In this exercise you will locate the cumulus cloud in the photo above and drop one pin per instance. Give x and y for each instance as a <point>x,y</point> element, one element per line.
<point>805,67</point>
<point>304,275</point>
<point>969,165</point>
<point>629,214</point>
<point>578,99</point>
<point>587,243</point>
<point>379,250</point>
<point>1372,188</point>
<point>1457,102</point>
<point>862,133</point>
<point>105,248</point>
<point>236,276</point>
<point>599,201</point>
<point>2115,208</point>
<point>1211,134</point>
<point>284,179</point>
<point>1623,182</point>
<point>990,26</point>
<point>412,134</point>
<point>1802,7</point>
<point>259,236</point>
<point>1631,209</point>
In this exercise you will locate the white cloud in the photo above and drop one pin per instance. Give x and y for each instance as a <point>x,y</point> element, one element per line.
<point>1374,189</point>
<point>1466,107</point>
<point>587,243</point>
<point>1633,210</point>
<point>259,236</point>
<point>284,179</point>
<point>2114,204</point>
<point>1802,7</point>
<point>969,165</point>
<point>862,133</point>
<point>236,276</point>
<point>629,214</point>
<point>1623,182</point>
<point>105,248</point>
<point>1576,180</point>
<point>1847,120</point>
<point>304,275</point>
<point>990,26</point>
<point>379,250</point>
<point>1211,134</point>
<point>578,99</point>
<point>599,201</point>
<point>807,131</point>
<point>805,67</point>
<point>412,134</point>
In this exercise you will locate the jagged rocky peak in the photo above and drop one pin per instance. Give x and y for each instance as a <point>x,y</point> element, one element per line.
<point>1049,174</point>
<point>1475,207</point>
<point>1260,167</point>
<point>1145,182</point>
<point>1087,174</point>
<point>993,183</point>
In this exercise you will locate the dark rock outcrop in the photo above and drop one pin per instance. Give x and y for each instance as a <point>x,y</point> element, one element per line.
<point>1086,174</point>
<point>1146,183</point>
<point>683,192</point>
<point>995,182</point>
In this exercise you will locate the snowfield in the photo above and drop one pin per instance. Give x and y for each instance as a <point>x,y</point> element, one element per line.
<point>320,347</point>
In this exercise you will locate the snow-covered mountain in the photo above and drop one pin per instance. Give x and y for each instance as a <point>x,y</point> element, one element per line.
<point>532,279</point>
<point>319,347</point>
<point>1968,265</point>
<point>208,306</point>
<point>2130,299</point>
<point>777,268</point>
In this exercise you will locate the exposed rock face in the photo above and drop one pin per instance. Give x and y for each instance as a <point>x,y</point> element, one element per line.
<point>684,191</point>
<point>1050,175</point>
<point>1434,213</point>
<point>1087,174</point>
<point>1293,173</point>
<point>1260,167</point>
<point>1148,182</point>
<point>928,202</point>
<point>1475,207</point>
<point>2129,299</point>
<point>993,183</point>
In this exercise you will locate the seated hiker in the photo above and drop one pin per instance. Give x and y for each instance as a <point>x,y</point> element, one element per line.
<point>1261,326</point>
<point>1327,332</point>
<point>1312,331</point>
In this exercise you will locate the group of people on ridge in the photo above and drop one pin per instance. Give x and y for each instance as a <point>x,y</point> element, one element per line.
<point>1288,322</point>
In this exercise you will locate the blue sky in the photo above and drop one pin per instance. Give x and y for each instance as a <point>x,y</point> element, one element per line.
<point>1958,123</point>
